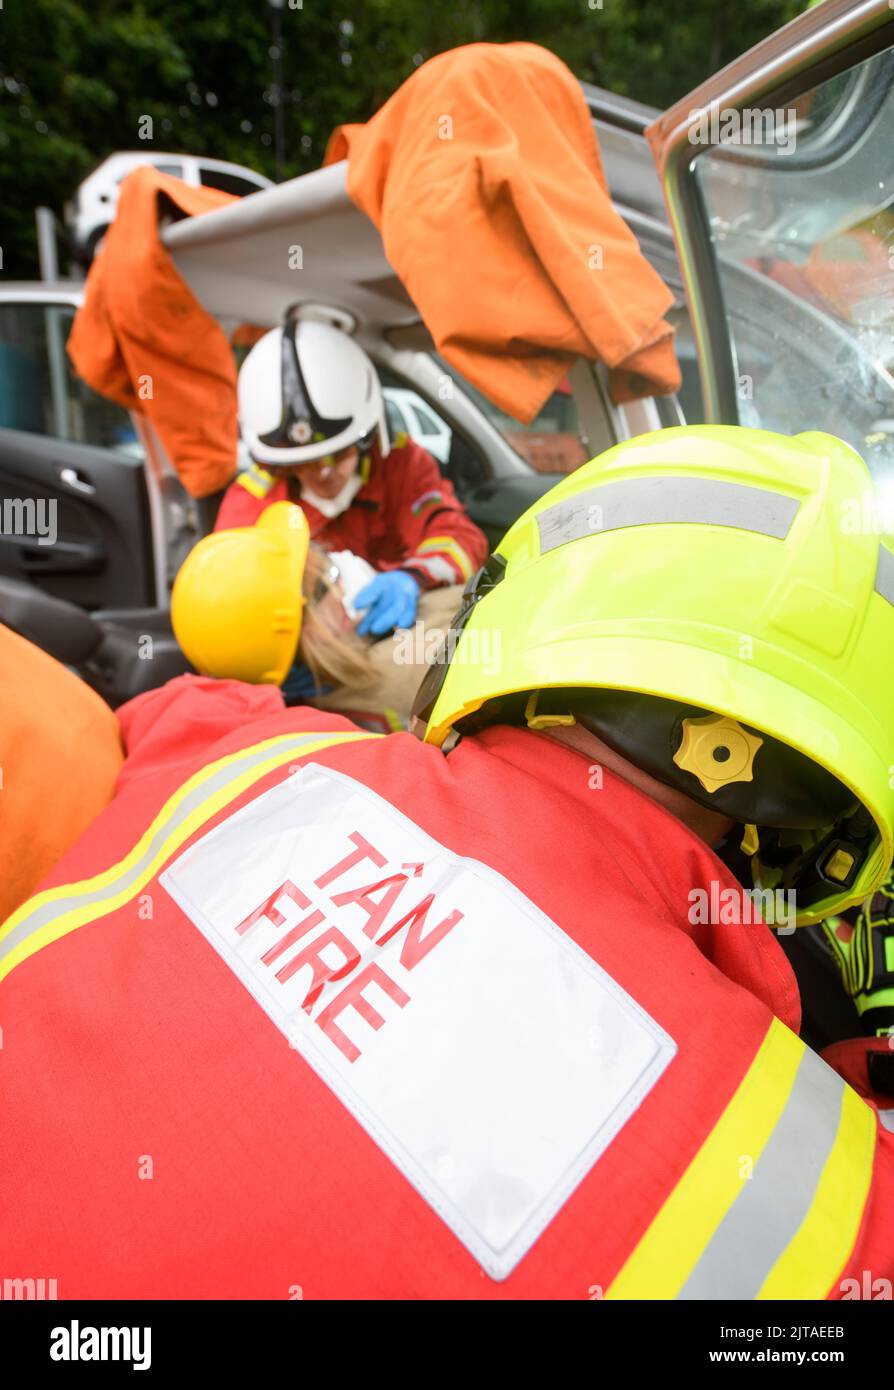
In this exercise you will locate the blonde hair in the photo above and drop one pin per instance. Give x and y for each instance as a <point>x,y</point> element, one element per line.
<point>334,658</point>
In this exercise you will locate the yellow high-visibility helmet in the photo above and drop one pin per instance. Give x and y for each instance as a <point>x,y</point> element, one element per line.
<point>717,604</point>
<point>236,603</point>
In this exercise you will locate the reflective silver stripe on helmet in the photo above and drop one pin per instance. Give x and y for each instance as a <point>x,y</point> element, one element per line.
<point>656,500</point>
<point>884,574</point>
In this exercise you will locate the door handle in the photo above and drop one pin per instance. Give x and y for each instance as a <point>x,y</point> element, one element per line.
<point>76,482</point>
<point>21,553</point>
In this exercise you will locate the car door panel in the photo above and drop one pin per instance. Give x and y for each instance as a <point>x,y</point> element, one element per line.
<point>74,521</point>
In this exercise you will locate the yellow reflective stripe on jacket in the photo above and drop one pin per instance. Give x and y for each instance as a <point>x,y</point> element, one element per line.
<point>446,545</point>
<point>750,1217</point>
<point>256,481</point>
<point>52,914</point>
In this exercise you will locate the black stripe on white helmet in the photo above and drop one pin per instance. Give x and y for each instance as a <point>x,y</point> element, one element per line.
<point>307,390</point>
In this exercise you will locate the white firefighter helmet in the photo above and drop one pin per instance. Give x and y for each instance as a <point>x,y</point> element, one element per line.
<point>307,390</point>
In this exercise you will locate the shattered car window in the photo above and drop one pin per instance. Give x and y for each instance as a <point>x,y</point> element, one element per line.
<point>803,229</point>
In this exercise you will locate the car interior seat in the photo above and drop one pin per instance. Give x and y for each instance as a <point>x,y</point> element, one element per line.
<point>120,652</point>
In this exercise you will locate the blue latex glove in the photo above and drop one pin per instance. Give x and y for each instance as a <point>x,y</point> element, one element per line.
<point>391,600</point>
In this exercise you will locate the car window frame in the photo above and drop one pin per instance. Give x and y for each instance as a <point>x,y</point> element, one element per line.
<point>54,310</point>
<point>202,169</point>
<point>420,414</point>
<point>828,49</point>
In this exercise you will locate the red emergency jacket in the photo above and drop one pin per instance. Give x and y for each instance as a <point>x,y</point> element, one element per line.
<point>404,516</point>
<point>310,1012</point>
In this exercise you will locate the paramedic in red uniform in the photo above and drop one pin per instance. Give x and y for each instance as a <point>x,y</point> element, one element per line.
<point>486,1014</point>
<point>312,416</point>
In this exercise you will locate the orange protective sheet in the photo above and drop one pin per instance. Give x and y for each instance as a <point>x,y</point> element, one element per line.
<point>143,339</point>
<point>485,180</point>
<point>60,753</point>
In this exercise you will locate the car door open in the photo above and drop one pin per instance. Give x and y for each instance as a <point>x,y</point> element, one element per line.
<point>777,180</point>
<point>74,509</point>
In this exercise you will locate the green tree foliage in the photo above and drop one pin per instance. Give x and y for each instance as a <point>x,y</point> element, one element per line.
<point>77,80</point>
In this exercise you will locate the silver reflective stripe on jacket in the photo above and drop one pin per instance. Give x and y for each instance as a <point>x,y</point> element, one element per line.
<point>777,1197</point>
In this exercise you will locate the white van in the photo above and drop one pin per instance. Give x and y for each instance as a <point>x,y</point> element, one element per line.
<point>93,206</point>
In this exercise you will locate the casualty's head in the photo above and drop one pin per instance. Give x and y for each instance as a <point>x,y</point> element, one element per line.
<point>704,602</point>
<point>237,601</point>
<point>246,599</point>
<point>310,404</point>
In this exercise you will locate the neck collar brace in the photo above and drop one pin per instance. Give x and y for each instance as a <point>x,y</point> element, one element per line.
<point>334,506</point>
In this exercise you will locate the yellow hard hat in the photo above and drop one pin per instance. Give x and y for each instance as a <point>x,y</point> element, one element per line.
<point>718,602</point>
<point>236,603</point>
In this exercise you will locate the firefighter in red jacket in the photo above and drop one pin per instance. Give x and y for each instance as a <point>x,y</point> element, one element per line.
<point>312,416</point>
<point>488,1015</point>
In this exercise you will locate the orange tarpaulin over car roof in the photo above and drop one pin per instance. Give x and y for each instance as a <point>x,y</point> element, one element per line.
<point>144,340</point>
<point>485,180</point>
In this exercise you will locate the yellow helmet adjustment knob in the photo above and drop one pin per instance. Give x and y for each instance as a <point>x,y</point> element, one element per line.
<point>717,750</point>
